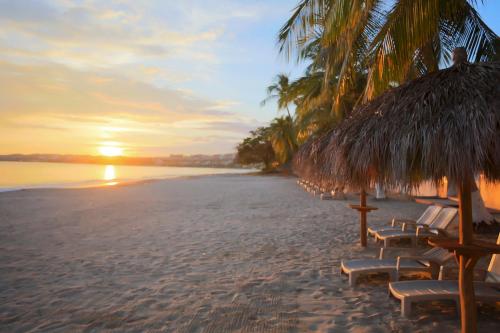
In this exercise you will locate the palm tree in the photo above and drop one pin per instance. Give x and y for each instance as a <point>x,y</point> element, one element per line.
<point>409,39</point>
<point>312,95</point>
<point>279,90</point>
<point>283,138</point>
<point>363,44</point>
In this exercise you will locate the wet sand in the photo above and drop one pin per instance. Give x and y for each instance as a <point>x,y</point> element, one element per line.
<point>204,254</point>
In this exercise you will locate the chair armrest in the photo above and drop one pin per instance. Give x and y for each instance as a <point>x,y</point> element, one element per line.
<point>402,221</point>
<point>424,226</point>
<point>398,260</point>
<point>393,252</point>
<point>407,224</point>
<point>431,260</point>
<point>426,229</point>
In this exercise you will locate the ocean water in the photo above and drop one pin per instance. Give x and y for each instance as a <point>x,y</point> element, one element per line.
<point>24,175</point>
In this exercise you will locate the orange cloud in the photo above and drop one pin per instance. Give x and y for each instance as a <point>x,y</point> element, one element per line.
<point>69,111</point>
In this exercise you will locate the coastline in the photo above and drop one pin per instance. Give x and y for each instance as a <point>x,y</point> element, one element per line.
<point>94,175</point>
<point>197,253</point>
<point>124,183</point>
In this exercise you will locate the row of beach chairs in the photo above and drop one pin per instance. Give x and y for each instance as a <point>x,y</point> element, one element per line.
<point>322,192</point>
<point>433,222</point>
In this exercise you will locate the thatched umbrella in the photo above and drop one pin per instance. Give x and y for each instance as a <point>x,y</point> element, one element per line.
<point>308,162</point>
<point>301,165</point>
<point>313,164</point>
<point>444,124</point>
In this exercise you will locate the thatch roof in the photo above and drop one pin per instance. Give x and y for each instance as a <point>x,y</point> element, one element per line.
<point>309,161</point>
<point>446,123</point>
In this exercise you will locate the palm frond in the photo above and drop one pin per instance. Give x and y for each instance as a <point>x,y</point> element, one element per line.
<point>301,26</point>
<point>419,34</point>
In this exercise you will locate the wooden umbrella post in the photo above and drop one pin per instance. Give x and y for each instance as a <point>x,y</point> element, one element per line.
<point>363,231</point>
<point>362,208</point>
<point>467,262</point>
<point>468,251</point>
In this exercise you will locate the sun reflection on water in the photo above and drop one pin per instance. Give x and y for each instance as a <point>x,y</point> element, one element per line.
<point>110,174</point>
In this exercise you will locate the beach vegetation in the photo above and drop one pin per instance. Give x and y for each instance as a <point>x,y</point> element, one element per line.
<point>256,150</point>
<point>389,41</point>
<point>357,50</point>
<point>283,139</point>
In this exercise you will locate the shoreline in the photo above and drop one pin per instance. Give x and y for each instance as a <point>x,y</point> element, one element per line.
<point>109,183</point>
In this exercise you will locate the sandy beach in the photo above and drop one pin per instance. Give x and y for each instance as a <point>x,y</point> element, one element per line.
<point>203,254</point>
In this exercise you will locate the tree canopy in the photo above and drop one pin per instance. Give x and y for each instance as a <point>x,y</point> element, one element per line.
<point>256,149</point>
<point>357,49</point>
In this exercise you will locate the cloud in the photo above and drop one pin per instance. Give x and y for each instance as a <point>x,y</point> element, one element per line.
<point>39,102</point>
<point>81,68</point>
<point>223,105</point>
<point>55,89</point>
<point>105,34</point>
<point>238,126</point>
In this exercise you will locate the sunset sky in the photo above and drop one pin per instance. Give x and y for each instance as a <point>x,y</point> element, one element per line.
<point>149,78</point>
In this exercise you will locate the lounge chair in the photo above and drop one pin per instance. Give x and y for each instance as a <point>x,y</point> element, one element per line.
<point>426,218</point>
<point>432,290</point>
<point>430,261</point>
<point>436,228</point>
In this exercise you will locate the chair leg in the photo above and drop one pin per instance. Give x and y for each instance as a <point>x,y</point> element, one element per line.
<point>352,279</point>
<point>441,275</point>
<point>435,272</point>
<point>405,307</point>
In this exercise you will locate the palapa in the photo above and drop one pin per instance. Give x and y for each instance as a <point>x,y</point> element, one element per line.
<point>309,161</point>
<point>444,124</point>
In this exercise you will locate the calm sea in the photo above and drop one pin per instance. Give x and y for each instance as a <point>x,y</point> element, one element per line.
<point>22,175</point>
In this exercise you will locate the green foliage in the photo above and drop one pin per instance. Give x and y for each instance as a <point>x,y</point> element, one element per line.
<point>256,149</point>
<point>272,146</point>
<point>283,139</point>
<point>406,41</point>
<point>359,48</point>
<point>279,90</point>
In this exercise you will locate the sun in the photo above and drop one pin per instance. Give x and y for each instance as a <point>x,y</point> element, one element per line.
<point>110,151</point>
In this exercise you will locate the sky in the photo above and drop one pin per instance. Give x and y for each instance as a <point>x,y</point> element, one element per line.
<point>142,78</point>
